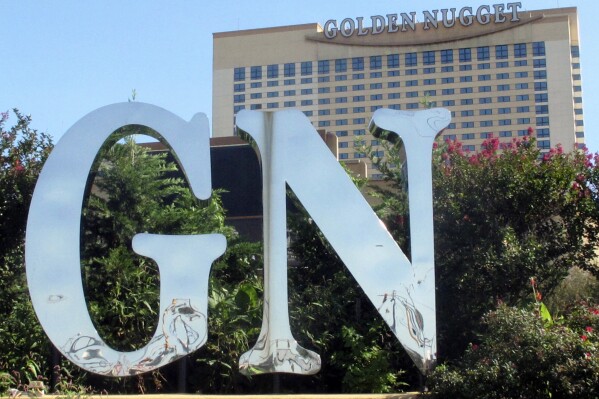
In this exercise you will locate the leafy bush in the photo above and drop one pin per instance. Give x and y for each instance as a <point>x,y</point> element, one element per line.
<point>520,355</point>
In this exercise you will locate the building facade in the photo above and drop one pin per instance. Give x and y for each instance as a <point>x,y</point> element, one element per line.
<point>499,70</point>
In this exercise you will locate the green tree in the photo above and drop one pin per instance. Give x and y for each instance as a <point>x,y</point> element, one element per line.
<point>501,216</point>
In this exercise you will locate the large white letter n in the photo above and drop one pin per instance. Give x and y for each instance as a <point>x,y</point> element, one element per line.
<point>402,291</point>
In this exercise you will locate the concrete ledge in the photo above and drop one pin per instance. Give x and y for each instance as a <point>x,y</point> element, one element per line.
<point>409,395</point>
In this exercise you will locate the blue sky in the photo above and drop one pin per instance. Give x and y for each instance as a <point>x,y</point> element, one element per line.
<point>60,60</point>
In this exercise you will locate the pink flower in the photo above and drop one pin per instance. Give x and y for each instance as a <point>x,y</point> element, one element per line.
<point>584,337</point>
<point>587,355</point>
<point>530,130</point>
<point>589,329</point>
<point>474,347</point>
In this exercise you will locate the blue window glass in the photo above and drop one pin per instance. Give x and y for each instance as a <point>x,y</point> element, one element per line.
<point>501,51</point>
<point>428,57</point>
<point>483,53</point>
<point>358,63</point>
<point>306,68</point>
<point>465,54</point>
<point>393,61</point>
<point>376,62</point>
<point>272,71</point>
<point>446,56</point>
<point>341,65</point>
<point>289,69</point>
<point>256,72</point>
<point>323,67</point>
<point>411,59</point>
<point>520,50</point>
<point>239,74</point>
<point>538,49</point>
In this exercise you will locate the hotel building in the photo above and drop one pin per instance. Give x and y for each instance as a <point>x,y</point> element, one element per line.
<point>498,69</point>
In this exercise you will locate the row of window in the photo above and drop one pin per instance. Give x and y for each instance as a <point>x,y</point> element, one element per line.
<point>342,65</point>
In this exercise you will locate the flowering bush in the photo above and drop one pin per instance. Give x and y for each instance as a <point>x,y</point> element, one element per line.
<point>521,356</point>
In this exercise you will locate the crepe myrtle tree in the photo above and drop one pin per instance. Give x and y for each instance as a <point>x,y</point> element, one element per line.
<point>501,215</point>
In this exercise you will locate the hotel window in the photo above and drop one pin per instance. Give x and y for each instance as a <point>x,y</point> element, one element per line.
<point>428,58</point>
<point>467,125</point>
<point>324,79</point>
<point>538,49</point>
<point>483,53</point>
<point>256,106</point>
<point>521,110</point>
<point>392,73</point>
<point>576,76</point>
<point>359,155</point>
<point>324,123</point>
<point>239,98</point>
<point>239,87</point>
<point>288,93</point>
<point>358,110</point>
<point>505,133</point>
<point>428,82</point>
<point>465,79</point>
<point>411,83</point>
<point>540,74</point>
<point>340,100</point>
<point>542,120</point>
<point>485,65</point>
<point>289,103</point>
<point>272,105</point>
<point>484,77</point>
<point>466,90</point>
<point>272,83</point>
<point>486,135</point>
<point>256,72</point>
<point>503,87</point>
<point>411,59</point>
<point>540,86</point>
<point>379,153</point>
<point>541,109</point>
<point>430,93</point>
<point>468,136</point>
<point>323,90</point>
<point>467,113</point>
<point>447,92</point>
<point>357,63</point>
<point>360,132</point>
<point>306,80</point>
<point>272,94</point>
<point>578,111</point>
<point>468,148</point>
<point>544,132</point>
<point>306,68</point>
<point>447,80</point>
<point>376,62</point>
<point>541,98</point>
<point>341,65</point>
<point>341,133</point>
<point>520,63</point>
<point>322,101</point>
<point>446,56</point>
<point>394,106</point>
<point>451,125</point>
<point>523,121</point>
<point>448,68</point>
<point>429,70</point>
<point>393,96</point>
<point>539,63</point>
<point>412,106</point>
<point>520,50</point>
<point>343,155</point>
<point>358,76</point>
<point>465,54</point>
<point>339,89</point>
<point>576,65</point>
<point>374,75</point>
<point>502,64</point>
<point>501,51</point>
<point>485,100</point>
<point>358,99</point>
<point>448,103</point>
<point>289,82</point>
<point>323,67</point>
<point>467,67</point>
<point>393,61</point>
<point>254,96</point>
<point>411,72</point>
<point>306,102</point>
<point>341,111</point>
<point>503,111</point>
<point>392,84</point>
<point>503,99</point>
<point>324,112</point>
<point>239,74</point>
<point>411,94</point>
<point>543,144</point>
<point>375,86</point>
<point>520,75</point>
<point>289,69</point>
<point>522,97</point>
<point>501,76</point>
<point>505,122</point>
<point>486,123</point>
<point>484,89</point>
<point>359,121</point>
<point>577,100</point>
<point>358,87</point>
<point>304,92</point>
<point>575,50</point>
<point>485,111</point>
<point>376,97</point>
<point>579,123</point>
<point>521,86</point>
<point>375,107</point>
<point>238,108</point>
<point>272,71</point>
